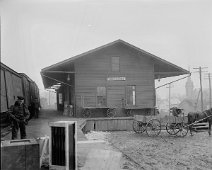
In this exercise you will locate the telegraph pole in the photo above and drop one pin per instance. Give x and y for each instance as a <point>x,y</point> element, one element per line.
<point>169,87</point>
<point>169,96</point>
<point>209,80</point>
<point>200,75</point>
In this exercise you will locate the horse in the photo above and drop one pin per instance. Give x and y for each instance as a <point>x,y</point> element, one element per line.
<point>196,116</point>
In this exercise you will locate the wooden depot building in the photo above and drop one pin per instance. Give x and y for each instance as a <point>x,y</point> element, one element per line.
<point>116,78</point>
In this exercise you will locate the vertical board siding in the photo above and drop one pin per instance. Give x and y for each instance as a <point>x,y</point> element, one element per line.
<point>107,124</point>
<point>3,93</point>
<point>26,90</point>
<point>10,90</point>
<point>32,90</point>
<point>17,86</point>
<point>13,86</point>
<point>93,70</point>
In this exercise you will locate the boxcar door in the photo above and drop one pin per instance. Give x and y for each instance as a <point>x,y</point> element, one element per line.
<point>17,86</point>
<point>115,96</point>
<point>10,89</point>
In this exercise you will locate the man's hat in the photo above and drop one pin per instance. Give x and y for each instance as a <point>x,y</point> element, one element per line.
<point>20,97</point>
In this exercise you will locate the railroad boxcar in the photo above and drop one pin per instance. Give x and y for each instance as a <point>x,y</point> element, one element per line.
<point>11,87</point>
<point>15,84</point>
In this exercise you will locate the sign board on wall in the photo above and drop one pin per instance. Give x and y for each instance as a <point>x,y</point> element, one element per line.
<point>116,78</point>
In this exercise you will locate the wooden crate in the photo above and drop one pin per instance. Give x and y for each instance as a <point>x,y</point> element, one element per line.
<point>20,155</point>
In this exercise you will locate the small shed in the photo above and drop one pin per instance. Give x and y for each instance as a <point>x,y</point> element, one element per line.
<point>116,76</point>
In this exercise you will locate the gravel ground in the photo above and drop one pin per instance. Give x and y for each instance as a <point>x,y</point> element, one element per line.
<point>162,152</point>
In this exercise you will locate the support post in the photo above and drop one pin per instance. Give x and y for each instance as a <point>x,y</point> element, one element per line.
<point>209,77</point>
<point>200,74</point>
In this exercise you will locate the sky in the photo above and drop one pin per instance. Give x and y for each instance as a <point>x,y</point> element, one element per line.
<point>39,33</point>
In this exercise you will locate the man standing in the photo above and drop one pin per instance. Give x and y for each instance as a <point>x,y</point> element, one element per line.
<point>19,114</point>
<point>34,108</point>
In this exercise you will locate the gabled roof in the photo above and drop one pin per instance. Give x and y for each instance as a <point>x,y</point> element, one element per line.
<point>162,67</point>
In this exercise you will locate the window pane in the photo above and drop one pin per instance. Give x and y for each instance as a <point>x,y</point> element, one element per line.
<point>101,91</point>
<point>115,63</point>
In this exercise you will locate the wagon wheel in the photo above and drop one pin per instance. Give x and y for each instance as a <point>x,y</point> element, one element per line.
<point>86,113</point>
<point>138,126</point>
<point>172,128</point>
<point>111,112</point>
<point>183,130</point>
<point>153,127</point>
<point>128,112</point>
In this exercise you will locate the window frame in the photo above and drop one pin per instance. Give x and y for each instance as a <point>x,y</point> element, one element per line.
<point>115,63</point>
<point>133,90</point>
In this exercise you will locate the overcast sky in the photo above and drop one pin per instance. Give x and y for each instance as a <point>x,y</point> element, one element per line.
<point>39,33</point>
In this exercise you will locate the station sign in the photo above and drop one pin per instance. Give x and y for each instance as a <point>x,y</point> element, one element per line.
<point>116,78</point>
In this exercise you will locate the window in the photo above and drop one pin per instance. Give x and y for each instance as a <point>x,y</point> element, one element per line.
<point>60,98</point>
<point>115,63</point>
<point>130,96</point>
<point>101,96</point>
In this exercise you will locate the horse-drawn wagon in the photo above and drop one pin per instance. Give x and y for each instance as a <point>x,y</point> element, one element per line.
<point>176,125</point>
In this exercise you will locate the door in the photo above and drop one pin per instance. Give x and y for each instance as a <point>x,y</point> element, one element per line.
<point>115,96</point>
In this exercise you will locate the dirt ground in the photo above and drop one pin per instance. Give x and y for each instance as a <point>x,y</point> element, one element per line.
<point>158,153</point>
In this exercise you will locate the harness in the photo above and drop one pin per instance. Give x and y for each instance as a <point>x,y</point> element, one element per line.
<point>206,114</point>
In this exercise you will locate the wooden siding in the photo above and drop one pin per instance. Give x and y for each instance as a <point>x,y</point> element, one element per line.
<point>13,86</point>
<point>9,87</point>
<point>32,90</point>
<point>109,124</point>
<point>17,86</point>
<point>3,93</point>
<point>26,90</point>
<point>115,96</point>
<point>94,69</point>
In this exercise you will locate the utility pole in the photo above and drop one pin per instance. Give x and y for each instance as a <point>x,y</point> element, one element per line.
<point>169,87</point>
<point>209,88</point>
<point>200,75</point>
<point>197,101</point>
<point>209,80</point>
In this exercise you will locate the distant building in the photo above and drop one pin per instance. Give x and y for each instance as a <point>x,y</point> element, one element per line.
<point>43,102</point>
<point>187,106</point>
<point>190,103</point>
